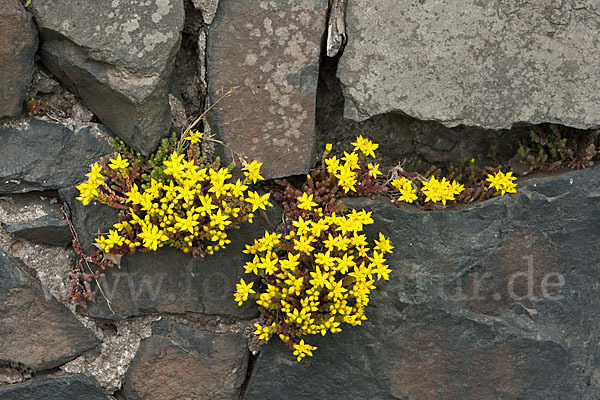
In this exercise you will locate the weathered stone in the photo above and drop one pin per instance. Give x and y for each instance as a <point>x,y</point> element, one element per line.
<point>270,49</point>
<point>76,387</point>
<point>119,64</point>
<point>493,66</point>
<point>179,362</point>
<point>17,49</point>
<point>167,280</point>
<point>36,331</point>
<point>208,9</point>
<point>37,219</point>
<point>49,229</point>
<point>457,319</point>
<point>40,155</point>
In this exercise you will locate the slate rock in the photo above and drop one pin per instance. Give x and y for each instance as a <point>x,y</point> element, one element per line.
<point>271,50</point>
<point>36,218</point>
<point>40,155</point>
<point>490,67</point>
<point>17,50</point>
<point>118,58</point>
<point>167,281</point>
<point>36,331</point>
<point>75,387</point>
<point>180,362</point>
<point>48,229</point>
<point>496,300</point>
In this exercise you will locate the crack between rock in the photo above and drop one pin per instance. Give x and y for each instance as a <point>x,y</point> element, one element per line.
<point>252,361</point>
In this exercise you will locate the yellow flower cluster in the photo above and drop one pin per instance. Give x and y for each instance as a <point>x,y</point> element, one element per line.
<point>346,172</point>
<point>502,182</point>
<point>433,189</point>
<point>317,277</point>
<point>441,190</point>
<point>88,191</point>
<point>189,206</point>
<point>406,189</point>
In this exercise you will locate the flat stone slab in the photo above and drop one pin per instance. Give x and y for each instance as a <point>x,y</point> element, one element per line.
<point>41,155</point>
<point>75,387</point>
<point>271,50</point>
<point>36,331</point>
<point>180,362</point>
<point>473,62</point>
<point>35,218</point>
<point>498,300</point>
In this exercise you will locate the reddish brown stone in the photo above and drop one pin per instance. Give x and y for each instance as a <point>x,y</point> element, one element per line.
<point>271,50</point>
<point>17,48</point>
<point>179,362</point>
<point>522,271</point>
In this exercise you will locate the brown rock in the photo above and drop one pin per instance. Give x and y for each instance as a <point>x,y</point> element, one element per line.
<point>271,50</point>
<point>179,362</point>
<point>17,48</point>
<point>35,330</point>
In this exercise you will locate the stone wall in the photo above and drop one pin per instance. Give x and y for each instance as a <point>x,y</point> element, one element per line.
<point>498,299</point>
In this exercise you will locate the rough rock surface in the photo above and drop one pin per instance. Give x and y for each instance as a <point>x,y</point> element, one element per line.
<point>120,64</point>
<point>492,301</point>
<point>17,48</point>
<point>271,50</point>
<point>35,218</point>
<point>168,281</point>
<point>76,387</point>
<point>492,66</point>
<point>179,362</point>
<point>40,155</point>
<point>37,332</point>
<point>208,9</point>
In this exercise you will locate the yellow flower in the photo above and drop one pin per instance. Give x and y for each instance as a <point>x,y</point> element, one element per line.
<point>252,171</point>
<point>306,202</point>
<point>351,160</point>
<point>328,147</point>
<point>152,236</point>
<point>95,173</point>
<point>194,136</point>
<point>258,201</point>
<point>383,244</point>
<point>242,292</point>
<point>502,182</point>
<point>119,163</point>
<point>333,164</point>
<point>365,146</point>
<point>374,170</point>
<point>174,165</point>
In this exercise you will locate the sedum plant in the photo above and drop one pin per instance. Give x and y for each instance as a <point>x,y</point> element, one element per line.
<point>175,198</point>
<point>318,275</point>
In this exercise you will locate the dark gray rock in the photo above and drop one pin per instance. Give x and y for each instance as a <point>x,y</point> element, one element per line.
<point>497,300</point>
<point>490,67</point>
<point>17,49</point>
<point>179,362</point>
<point>270,49</point>
<point>36,218</point>
<point>37,331</point>
<point>48,229</point>
<point>167,280</point>
<point>40,155</point>
<point>118,58</point>
<point>76,387</point>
